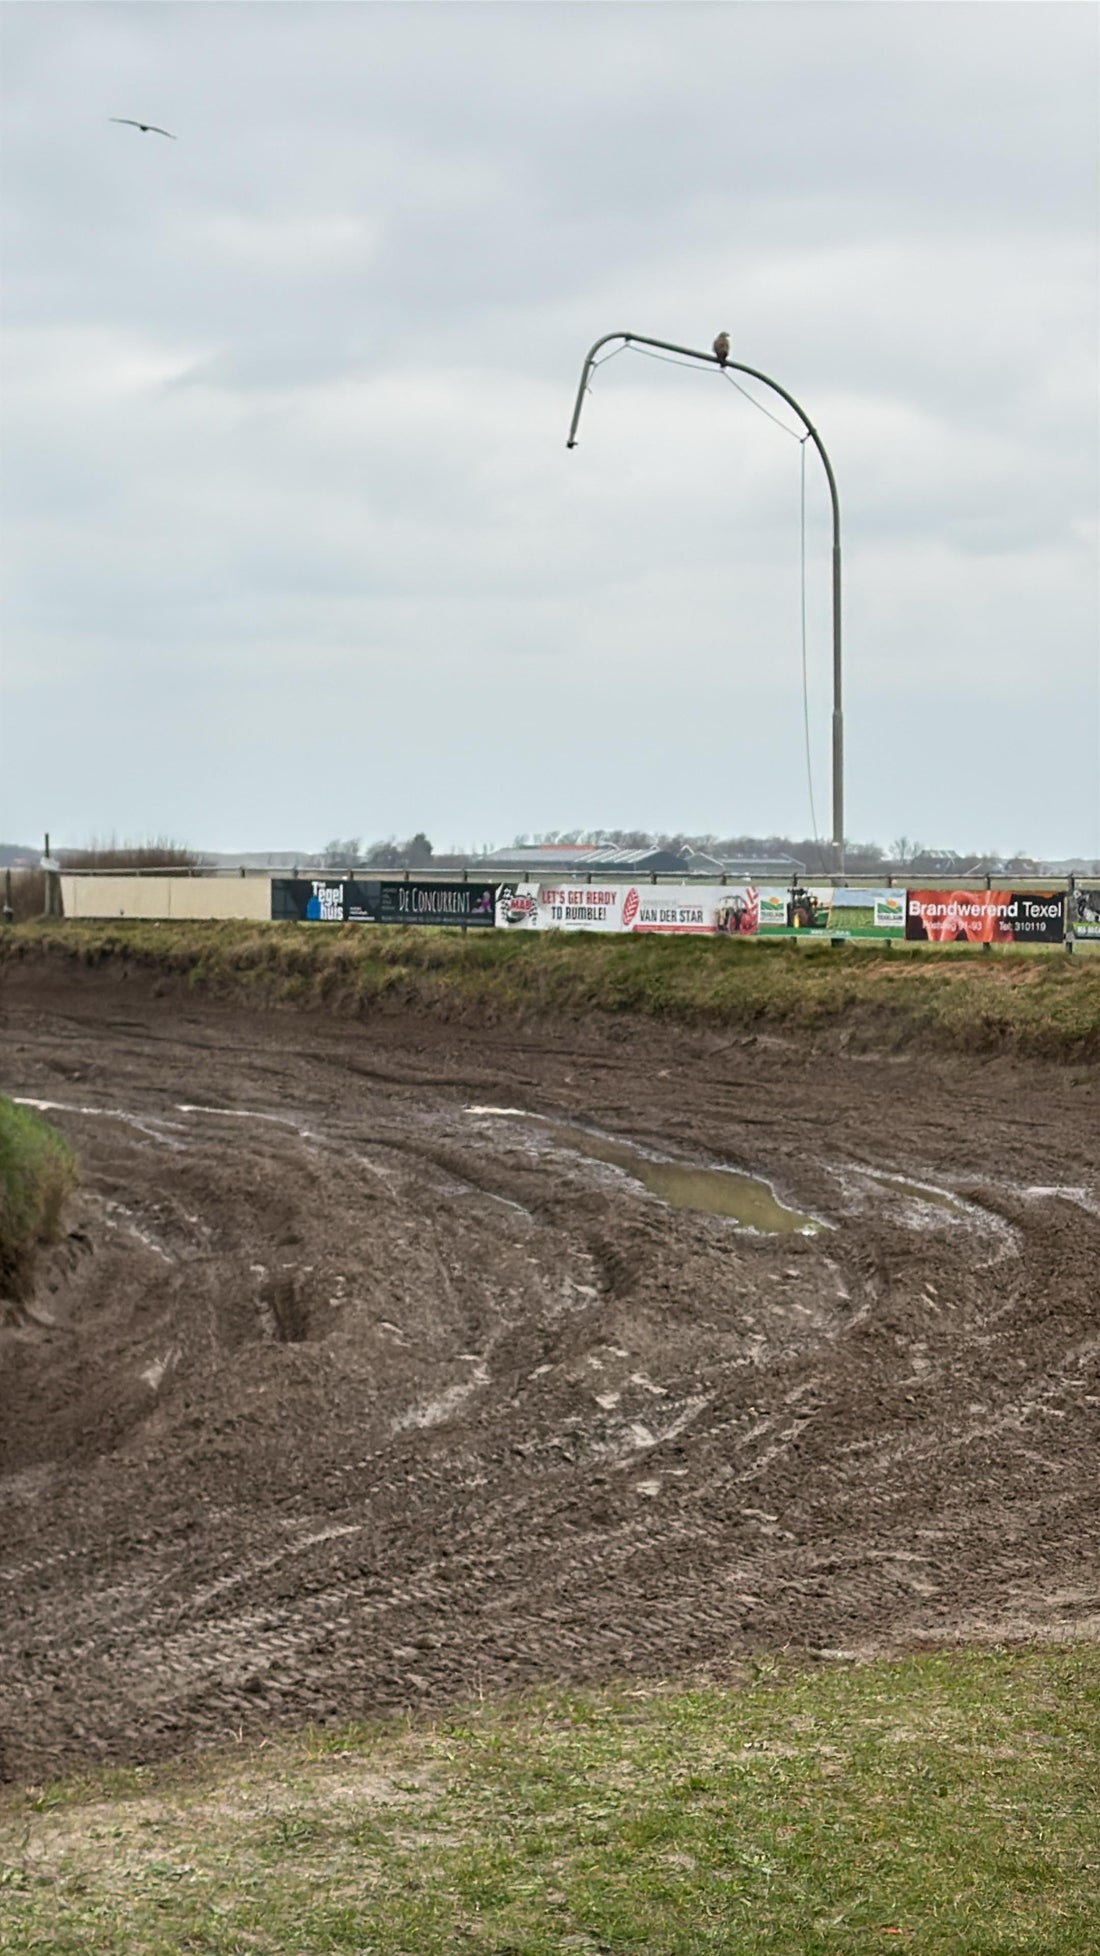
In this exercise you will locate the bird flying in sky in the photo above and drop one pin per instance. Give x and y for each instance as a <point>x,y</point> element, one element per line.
<point>722,348</point>
<point>146,128</point>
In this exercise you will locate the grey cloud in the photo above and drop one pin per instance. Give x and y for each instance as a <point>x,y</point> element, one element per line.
<point>285,408</point>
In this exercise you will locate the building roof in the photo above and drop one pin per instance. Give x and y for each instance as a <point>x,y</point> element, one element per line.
<point>698,860</point>
<point>558,856</point>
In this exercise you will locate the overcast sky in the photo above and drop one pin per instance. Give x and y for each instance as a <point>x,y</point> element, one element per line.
<point>293,546</point>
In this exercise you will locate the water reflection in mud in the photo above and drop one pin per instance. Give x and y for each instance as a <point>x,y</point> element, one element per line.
<point>745,1199</point>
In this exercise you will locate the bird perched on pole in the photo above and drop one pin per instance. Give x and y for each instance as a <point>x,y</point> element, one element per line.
<point>722,348</point>
<point>147,128</point>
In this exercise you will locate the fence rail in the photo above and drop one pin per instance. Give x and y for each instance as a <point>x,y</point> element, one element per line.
<point>990,909</point>
<point>495,873</point>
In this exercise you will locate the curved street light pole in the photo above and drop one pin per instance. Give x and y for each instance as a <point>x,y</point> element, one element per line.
<point>638,339</point>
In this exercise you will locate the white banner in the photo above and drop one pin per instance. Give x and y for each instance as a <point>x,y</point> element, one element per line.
<point>669,909</point>
<point>729,909</point>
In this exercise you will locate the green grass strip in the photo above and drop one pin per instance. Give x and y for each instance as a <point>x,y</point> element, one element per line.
<point>37,1171</point>
<point>1040,1003</point>
<point>941,1804</point>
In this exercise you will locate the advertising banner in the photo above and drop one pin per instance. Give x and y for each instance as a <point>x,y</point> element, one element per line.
<point>700,910</point>
<point>1084,913</point>
<point>832,913</point>
<point>704,910</point>
<point>669,909</point>
<point>472,904</point>
<point>439,902</point>
<point>708,909</point>
<point>561,906</point>
<point>985,916</point>
<point>324,900</point>
<point>337,900</point>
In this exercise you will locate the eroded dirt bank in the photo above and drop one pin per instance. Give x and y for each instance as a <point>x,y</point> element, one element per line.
<point>342,1395</point>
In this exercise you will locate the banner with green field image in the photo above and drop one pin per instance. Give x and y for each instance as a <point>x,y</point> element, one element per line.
<point>814,908</point>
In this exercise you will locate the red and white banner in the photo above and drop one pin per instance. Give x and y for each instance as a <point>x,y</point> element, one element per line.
<point>727,909</point>
<point>660,909</point>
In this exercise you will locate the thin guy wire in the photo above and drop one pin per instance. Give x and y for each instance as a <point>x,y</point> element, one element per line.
<point>602,363</point>
<point>793,432</point>
<point>805,662</point>
<point>672,360</point>
<point>669,359</point>
<point>609,356</point>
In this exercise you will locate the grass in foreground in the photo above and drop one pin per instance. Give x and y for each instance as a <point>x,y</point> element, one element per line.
<point>1041,1004</point>
<point>943,1804</point>
<point>37,1171</point>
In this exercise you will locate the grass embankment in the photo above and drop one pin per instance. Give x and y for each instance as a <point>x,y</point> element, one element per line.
<point>944,1804</point>
<point>1045,1004</point>
<point>36,1173</point>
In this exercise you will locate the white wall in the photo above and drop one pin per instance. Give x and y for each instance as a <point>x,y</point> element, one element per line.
<point>167,896</point>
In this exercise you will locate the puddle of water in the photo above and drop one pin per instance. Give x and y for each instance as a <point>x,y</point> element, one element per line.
<point>745,1199</point>
<point>716,1191</point>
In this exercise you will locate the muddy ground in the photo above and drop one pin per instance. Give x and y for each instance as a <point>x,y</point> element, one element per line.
<point>342,1396</point>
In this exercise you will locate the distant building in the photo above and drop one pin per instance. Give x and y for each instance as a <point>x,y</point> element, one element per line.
<point>993,866</point>
<point>933,862</point>
<point>750,869</point>
<point>560,858</point>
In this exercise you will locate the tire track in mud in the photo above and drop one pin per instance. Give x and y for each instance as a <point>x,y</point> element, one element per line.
<point>361,1403</point>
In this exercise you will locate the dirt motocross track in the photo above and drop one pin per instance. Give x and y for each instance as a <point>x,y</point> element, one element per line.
<point>341,1395</point>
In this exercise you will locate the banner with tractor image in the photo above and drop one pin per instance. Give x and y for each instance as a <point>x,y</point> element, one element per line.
<point>1084,912</point>
<point>816,909</point>
<point>703,910</point>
